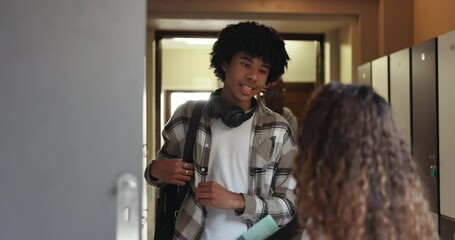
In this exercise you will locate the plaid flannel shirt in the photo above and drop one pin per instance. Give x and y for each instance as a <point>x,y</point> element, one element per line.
<point>270,183</point>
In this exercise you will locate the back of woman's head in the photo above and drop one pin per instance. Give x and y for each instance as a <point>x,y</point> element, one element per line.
<point>356,177</point>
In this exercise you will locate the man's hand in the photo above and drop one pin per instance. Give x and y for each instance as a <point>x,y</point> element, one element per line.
<point>212,194</point>
<point>173,171</point>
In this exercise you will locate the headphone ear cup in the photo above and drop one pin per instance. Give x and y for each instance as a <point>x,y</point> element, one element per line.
<point>233,116</point>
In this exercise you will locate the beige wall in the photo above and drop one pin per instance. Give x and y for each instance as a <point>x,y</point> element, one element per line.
<point>187,69</point>
<point>346,57</point>
<point>332,56</point>
<point>302,67</point>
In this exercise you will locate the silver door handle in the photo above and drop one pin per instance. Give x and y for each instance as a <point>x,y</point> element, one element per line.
<point>128,220</point>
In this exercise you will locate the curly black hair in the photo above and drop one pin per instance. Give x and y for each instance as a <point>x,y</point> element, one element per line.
<point>254,39</point>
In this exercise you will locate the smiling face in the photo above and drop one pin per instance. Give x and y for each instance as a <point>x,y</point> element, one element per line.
<point>245,77</point>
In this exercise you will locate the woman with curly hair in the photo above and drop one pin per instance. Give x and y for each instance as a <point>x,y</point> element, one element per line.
<point>355,176</point>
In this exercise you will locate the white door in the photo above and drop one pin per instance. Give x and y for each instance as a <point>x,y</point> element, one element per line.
<point>71,89</point>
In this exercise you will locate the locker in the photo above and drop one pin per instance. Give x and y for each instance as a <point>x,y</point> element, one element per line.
<point>446,98</point>
<point>447,228</point>
<point>380,76</point>
<point>400,91</point>
<point>424,117</point>
<point>364,74</point>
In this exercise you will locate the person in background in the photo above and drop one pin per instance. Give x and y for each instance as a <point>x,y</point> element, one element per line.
<point>243,152</point>
<point>274,99</point>
<point>355,175</point>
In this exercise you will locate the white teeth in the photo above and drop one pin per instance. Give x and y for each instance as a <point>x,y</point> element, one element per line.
<point>247,88</point>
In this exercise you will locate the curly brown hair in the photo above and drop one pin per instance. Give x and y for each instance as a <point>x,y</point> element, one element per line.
<point>355,175</point>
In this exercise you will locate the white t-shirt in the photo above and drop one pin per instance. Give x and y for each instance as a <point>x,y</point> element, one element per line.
<point>228,166</point>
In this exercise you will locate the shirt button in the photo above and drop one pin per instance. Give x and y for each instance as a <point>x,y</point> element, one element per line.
<point>203,169</point>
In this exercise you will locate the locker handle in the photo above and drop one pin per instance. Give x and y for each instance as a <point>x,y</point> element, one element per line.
<point>433,167</point>
<point>434,171</point>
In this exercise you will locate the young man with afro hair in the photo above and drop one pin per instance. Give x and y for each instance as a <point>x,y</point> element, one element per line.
<point>243,152</point>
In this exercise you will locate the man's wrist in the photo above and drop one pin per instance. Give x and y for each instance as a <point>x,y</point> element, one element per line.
<point>150,171</point>
<point>240,204</point>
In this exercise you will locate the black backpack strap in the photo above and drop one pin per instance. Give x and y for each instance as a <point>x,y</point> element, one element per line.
<point>191,134</point>
<point>189,145</point>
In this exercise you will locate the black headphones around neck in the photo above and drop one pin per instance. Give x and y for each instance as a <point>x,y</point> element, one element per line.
<point>232,116</point>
